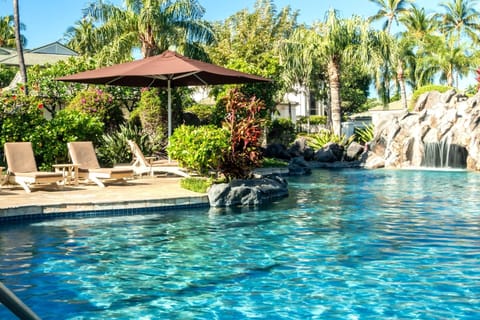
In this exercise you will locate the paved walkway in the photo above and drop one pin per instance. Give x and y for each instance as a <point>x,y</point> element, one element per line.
<point>135,195</point>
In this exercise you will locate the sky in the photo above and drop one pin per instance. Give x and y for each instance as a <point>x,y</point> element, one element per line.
<point>46,21</point>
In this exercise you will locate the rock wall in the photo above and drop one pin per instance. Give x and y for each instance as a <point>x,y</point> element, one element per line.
<point>446,123</point>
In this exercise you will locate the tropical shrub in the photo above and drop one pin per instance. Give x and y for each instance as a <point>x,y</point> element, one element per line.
<point>314,120</point>
<point>151,114</point>
<point>50,141</point>
<point>198,148</point>
<point>20,117</point>
<point>97,102</point>
<point>203,112</point>
<point>273,162</point>
<point>365,134</point>
<point>244,125</point>
<point>281,131</point>
<point>196,184</point>
<point>417,93</point>
<point>321,139</point>
<point>113,147</point>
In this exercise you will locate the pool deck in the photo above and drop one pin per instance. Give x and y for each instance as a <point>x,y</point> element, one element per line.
<point>135,195</point>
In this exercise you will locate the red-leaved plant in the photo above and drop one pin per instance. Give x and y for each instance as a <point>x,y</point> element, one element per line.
<point>245,126</point>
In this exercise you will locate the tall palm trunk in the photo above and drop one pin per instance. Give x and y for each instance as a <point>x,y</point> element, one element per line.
<point>401,82</point>
<point>335,101</point>
<point>18,42</point>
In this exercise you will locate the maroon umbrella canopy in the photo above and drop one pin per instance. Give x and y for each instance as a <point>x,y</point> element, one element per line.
<point>157,70</point>
<point>168,69</point>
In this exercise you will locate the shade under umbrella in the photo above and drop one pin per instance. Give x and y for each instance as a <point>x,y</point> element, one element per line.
<point>168,70</point>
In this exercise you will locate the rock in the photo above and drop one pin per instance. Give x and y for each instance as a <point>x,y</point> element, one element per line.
<point>372,161</point>
<point>444,132</point>
<point>276,150</point>
<point>329,153</point>
<point>354,150</point>
<point>247,192</point>
<point>300,149</point>
<point>298,167</point>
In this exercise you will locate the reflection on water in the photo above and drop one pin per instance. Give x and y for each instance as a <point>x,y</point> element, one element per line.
<point>344,244</point>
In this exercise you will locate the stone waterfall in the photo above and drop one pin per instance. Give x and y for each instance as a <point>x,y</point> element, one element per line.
<point>443,130</point>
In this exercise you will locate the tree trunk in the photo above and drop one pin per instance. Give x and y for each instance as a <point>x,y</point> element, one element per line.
<point>401,82</point>
<point>335,101</point>
<point>18,42</point>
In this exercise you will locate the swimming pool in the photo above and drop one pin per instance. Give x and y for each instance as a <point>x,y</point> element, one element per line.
<point>346,244</point>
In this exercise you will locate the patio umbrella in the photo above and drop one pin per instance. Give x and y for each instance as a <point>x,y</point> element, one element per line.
<point>168,70</point>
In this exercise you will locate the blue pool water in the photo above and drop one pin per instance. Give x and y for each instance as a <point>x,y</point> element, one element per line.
<point>346,244</point>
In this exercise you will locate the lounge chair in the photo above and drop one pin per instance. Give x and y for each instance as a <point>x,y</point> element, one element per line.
<point>83,154</point>
<point>22,168</point>
<point>142,164</point>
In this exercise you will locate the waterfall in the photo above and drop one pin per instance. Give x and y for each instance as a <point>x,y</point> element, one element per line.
<point>444,154</point>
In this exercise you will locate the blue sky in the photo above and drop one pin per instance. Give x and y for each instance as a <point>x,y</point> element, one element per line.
<point>47,20</point>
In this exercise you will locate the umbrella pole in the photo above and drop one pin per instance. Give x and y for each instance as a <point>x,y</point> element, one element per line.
<point>169,118</point>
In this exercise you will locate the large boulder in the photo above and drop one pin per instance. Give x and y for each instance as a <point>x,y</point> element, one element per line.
<point>331,152</point>
<point>298,167</point>
<point>276,150</point>
<point>300,148</point>
<point>248,192</point>
<point>443,132</point>
<point>354,151</point>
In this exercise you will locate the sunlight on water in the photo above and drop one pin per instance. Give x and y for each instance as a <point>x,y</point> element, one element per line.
<point>346,244</point>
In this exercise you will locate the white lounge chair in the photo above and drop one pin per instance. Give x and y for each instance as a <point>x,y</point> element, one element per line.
<point>22,167</point>
<point>83,154</point>
<point>148,165</point>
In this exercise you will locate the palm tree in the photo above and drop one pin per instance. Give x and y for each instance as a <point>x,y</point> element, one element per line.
<point>297,56</point>
<point>7,32</point>
<point>450,59</point>
<point>341,40</point>
<point>391,10</point>
<point>19,45</point>
<point>151,26</point>
<point>418,36</point>
<point>460,18</point>
<point>81,37</point>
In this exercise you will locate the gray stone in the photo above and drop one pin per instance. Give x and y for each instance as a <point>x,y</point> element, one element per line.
<point>298,167</point>
<point>249,192</point>
<point>354,151</point>
<point>444,121</point>
<point>277,150</point>
<point>329,153</point>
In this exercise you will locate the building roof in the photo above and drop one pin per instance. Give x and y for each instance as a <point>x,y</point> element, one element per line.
<point>49,53</point>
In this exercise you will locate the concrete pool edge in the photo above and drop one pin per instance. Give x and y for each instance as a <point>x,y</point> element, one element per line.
<point>33,212</point>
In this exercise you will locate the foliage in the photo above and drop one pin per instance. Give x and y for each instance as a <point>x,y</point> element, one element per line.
<point>248,42</point>
<point>281,131</point>
<point>56,94</point>
<point>245,128</point>
<point>113,147</point>
<point>50,141</point>
<point>198,148</point>
<point>21,117</point>
<point>417,93</point>
<point>321,139</point>
<point>7,73</point>
<point>273,162</point>
<point>150,26</point>
<point>152,114</point>
<point>365,134</point>
<point>196,184</point>
<point>95,101</point>
<point>204,112</point>
<point>314,120</point>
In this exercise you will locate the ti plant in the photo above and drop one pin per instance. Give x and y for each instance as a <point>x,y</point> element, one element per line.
<point>244,124</point>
